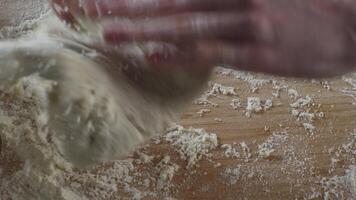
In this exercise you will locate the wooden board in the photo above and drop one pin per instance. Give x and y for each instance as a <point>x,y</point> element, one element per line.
<point>300,166</point>
<point>295,170</point>
<point>297,166</point>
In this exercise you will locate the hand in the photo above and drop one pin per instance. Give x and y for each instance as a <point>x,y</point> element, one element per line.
<point>302,38</point>
<point>67,10</point>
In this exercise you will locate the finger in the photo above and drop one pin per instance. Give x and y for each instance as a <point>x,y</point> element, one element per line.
<point>67,10</point>
<point>185,27</point>
<point>170,58</point>
<point>266,59</point>
<point>129,8</point>
<point>255,58</point>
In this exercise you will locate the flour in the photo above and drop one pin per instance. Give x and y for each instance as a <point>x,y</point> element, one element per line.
<point>292,93</point>
<point>202,112</point>
<point>167,172</point>
<point>246,151</point>
<point>266,149</point>
<point>268,104</point>
<point>305,116</point>
<point>301,109</point>
<point>221,89</point>
<point>232,174</point>
<point>235,103</point>
<point>351,179</point>
<point>302,102</point>
<point>217,119</point>
<point>41,164</point>
<point>192,144</point>
<point>85,109</point>
<point>351,91</point>
<point>204,101</point>
<point>230,151</point>
<point>96,113</point>
<point>251,79</point>
<point>145,171</point>
<point>340,187</point>
<point>350,146</point>
<point>215,90</point>
<point>13,24</point>
<point>255,105</point>
<point>310,128</point>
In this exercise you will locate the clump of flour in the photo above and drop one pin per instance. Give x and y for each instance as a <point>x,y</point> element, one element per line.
<point>255,105</point>
<point>230,151</point>
<point>221,89</point>
<point>215,90</point>
<point>192,144</point>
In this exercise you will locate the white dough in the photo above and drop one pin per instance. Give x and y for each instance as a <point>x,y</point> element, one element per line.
<point>88,107</point>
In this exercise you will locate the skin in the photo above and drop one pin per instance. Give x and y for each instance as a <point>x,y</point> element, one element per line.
<point>297,38</point>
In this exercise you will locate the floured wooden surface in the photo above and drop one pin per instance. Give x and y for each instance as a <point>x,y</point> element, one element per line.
<point>303,146</point>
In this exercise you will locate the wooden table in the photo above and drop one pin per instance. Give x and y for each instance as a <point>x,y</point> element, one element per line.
<point>300,165</point>
<point>297,166</point>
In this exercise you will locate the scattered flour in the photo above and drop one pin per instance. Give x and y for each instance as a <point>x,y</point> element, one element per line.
<point>246,151</point>
<point>235,103</point>
<point>305,116</point>
<point>292,93</point>
<point>218,119</point>
<point>232,174</point>
<point>301,109</point>
<point>255,105</point>
<point>230,151</point>
<point>267,104</point>
<point>278,88</point>
<point>326,85</point>
<point>221,89</point>
<point>204,101</point>
<point>351,179</point>
<point>310,128</point>
<point>192,144</point>
<point>269,146</point>
<point>202,112</point>
<point>343,152</point>
<point>167,172</point>
<point>347,150</point>
<point>340,187</point>
<point>251,79</point>
<point>215,90</point>
<point>302,102</point>
<point>351,92</point>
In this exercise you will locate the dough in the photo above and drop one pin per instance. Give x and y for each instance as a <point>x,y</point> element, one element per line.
<point>92,106</point>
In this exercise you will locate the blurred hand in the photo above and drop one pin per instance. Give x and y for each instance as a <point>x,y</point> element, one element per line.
<point>301,38</point>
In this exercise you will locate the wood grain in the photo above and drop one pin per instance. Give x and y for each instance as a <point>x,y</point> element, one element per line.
<point>298,164</point>
<point>296,168</point>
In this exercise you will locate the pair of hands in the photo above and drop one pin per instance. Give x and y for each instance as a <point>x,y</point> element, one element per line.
<point>300,38</point>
